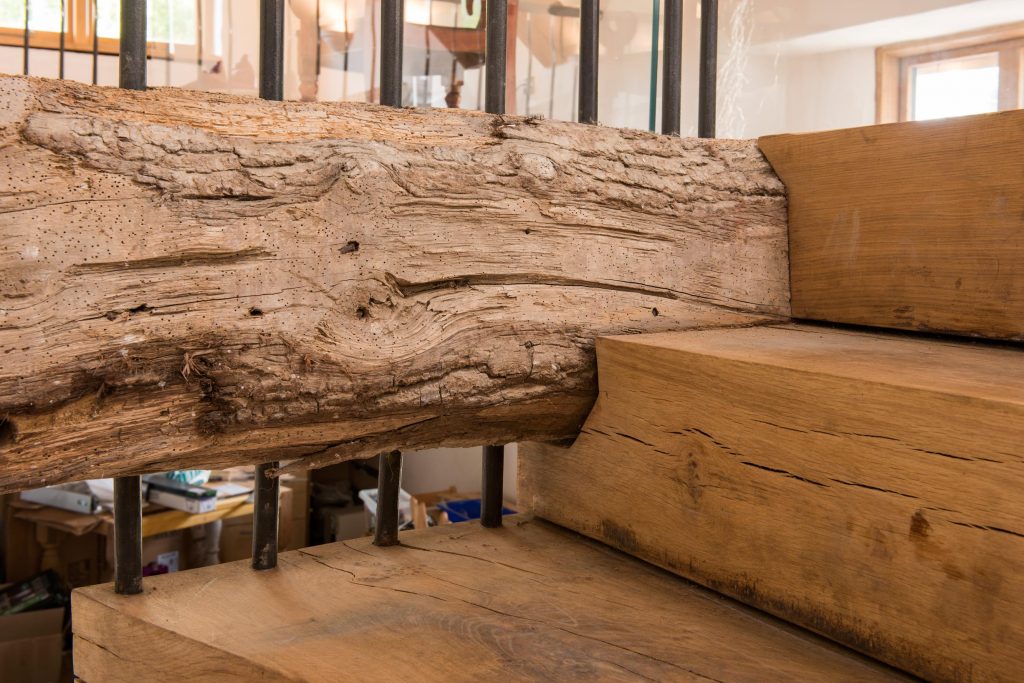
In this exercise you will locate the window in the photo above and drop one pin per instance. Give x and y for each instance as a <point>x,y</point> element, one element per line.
<point>173,25</point>
<point>971,73</point>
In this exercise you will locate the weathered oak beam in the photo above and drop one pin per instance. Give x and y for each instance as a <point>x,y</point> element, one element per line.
<point>197,279</point>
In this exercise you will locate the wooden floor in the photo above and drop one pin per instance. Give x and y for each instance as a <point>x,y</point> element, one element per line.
<point>456,603</point>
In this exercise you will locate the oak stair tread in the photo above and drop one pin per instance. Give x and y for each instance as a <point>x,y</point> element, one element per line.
<point>530,601</point>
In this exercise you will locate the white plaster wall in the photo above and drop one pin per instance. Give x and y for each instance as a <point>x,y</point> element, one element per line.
<point>437,469</point>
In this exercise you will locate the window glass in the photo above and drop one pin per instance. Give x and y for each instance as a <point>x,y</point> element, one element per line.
<point>955,87</point>
<point>44,15</point>
<point>168,21</point>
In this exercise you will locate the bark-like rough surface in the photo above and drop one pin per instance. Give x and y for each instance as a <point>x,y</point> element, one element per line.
<point>192,279</point>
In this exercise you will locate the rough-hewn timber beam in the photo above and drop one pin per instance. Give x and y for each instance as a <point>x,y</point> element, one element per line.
<point>189,278</point>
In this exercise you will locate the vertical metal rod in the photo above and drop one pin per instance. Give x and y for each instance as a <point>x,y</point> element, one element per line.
<point>497,36</point>
<point>655,34</point>
<point>95,41</point>
<point>267,492</point>
<point>706,117</point>
<point>389,483</point>
<point>128,490</point>
<point>671,97</point>
<point>529,62</point>
<point>272,49</point>
<point>266,497</point>
<point>25,39</point>
<point>128,535</point>
<point>590,16</point>
<point>229,23</point>
<point>132,63</point>
<point>199,38</point>
<point>320,43</point>
<point>493,485</point>
<point>63,34</point>
<point>554,65</point>
<point>392,13</point>
<point>389,480</point>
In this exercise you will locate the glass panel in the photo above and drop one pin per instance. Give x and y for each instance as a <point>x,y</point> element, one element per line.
<point>108,18</point>
<point>784,65</point>
<point>445,48</point>
<point>168,21</point>
<point>44,14</point>
<point>955,87</point>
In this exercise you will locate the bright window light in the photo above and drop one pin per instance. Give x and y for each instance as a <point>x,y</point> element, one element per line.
<point>955,87</point>
<point>168,21</point>
<point>44,15</point>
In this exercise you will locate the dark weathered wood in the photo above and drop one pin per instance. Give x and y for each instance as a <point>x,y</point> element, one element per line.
<point>529,602</point>
<point>917,225</point>
<point>198,279</point>
<point>867,486</point>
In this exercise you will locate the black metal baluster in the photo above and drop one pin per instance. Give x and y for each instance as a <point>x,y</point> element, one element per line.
<point>25,41</point>
<point>267,492</point>
<point>199,38</point>
<point>63,33</point>
<point>590,15</point>
<point>128,490</point>
<point>272,49</point>
<point>266,501</point>
<point>95,41</point>
<point>671,98</point>
<point>128,535</point>
<point>655,34</point>
<point>497,34</point>
<point>389,485</point>
<point>389,479</point>
<point>708,68</point>
<point>132,62</point>
<point>391,39</point>
<point>493,484</point>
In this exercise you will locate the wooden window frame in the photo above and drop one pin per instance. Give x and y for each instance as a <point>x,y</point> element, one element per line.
<point>78,36</point>
<point>893,64</point>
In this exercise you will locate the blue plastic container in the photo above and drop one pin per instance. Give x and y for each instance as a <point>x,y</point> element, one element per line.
<point>465,510</point>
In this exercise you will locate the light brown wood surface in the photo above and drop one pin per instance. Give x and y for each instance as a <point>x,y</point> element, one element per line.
<point>526,602</point>
<point>867,486</point>
<point>192,279</point>
<point>917,226</point>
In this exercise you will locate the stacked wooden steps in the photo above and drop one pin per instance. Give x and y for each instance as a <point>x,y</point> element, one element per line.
<point>453,603</point>
<point>867,485</point>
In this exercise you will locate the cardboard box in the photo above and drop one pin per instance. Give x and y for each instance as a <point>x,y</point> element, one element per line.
<point>166,547</point>
<point>30,646</point>
<point>344,523</point>
<point>298,534</point>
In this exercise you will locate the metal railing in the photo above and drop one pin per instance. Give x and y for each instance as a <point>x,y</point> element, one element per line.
<point>132,75</point>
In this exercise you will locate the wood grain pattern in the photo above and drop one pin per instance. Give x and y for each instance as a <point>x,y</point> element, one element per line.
<point>867,486</point>
<point>528,602</point>
<point>917,226</point>
<point>191,279</point>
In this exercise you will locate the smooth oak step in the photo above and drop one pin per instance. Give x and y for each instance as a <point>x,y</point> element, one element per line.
<point>868,486</point>
<point>529,601</point>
